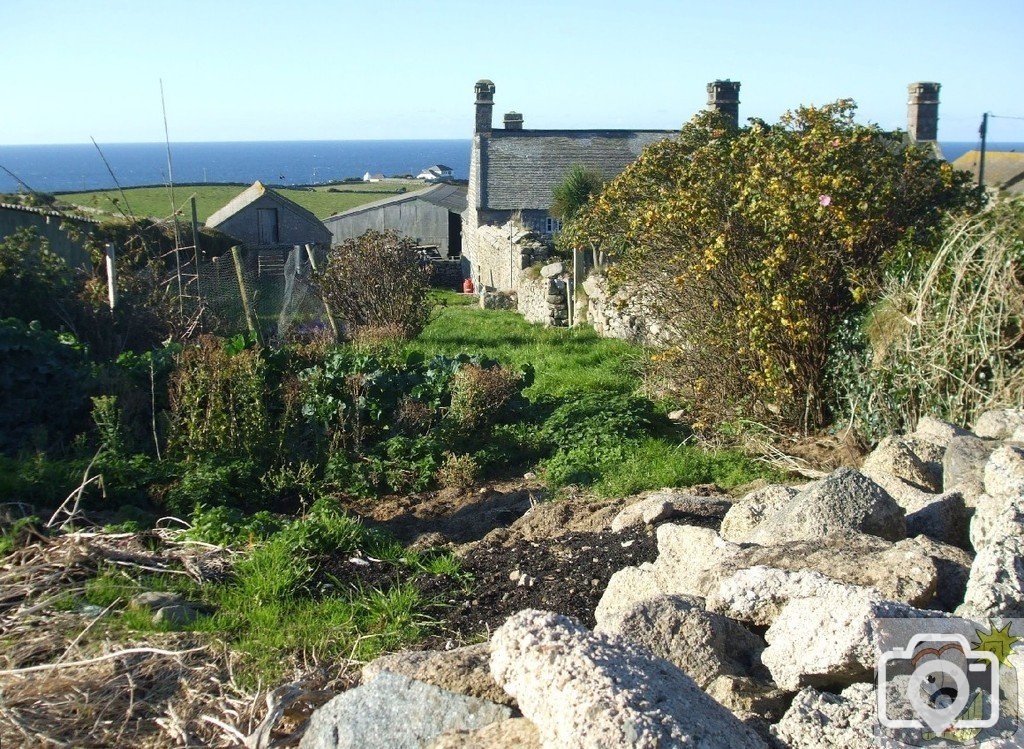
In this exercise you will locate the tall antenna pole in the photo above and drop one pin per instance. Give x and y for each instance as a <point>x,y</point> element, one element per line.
<point>983,132</point>
<point>174,208</point>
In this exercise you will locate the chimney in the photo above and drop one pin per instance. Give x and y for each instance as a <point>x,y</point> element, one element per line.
<point>923,111</point>
<point>513,121</point>
<point>484,105</point>
<point>724,97</point>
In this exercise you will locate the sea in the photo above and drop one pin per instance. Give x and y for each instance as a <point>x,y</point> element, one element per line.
<point>69,168</point>
<point>74,167</point>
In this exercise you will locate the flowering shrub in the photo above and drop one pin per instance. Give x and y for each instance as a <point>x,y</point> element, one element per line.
<point>755,242</point>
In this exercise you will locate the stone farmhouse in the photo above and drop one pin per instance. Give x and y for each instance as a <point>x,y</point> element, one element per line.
<point>514,171</point>
<point>262,218</point>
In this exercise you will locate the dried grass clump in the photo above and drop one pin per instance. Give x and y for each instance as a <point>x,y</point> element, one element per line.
<point>68,679</point>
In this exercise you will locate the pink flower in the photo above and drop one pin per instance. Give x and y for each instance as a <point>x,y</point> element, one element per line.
<point>835,143</point>
<point>825,200</point>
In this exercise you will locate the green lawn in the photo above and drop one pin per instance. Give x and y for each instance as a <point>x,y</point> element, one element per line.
<point>565,360</point>
<point>155,202</point>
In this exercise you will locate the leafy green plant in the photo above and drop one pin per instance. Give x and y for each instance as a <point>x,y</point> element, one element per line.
<point>458,471</point>
<point>45,379</point>
<point>219,402</point>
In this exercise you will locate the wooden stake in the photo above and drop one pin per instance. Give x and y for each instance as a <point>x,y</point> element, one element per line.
<point>327,310</point>
<point>250,320</point>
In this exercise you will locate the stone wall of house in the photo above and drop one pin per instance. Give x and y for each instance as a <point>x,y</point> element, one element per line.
<point>447,274</point>
<point>498,253</point>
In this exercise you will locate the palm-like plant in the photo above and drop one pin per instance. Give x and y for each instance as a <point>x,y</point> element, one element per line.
<point>574,191</point>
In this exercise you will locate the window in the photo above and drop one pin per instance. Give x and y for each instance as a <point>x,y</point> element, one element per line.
<point>552,225</point>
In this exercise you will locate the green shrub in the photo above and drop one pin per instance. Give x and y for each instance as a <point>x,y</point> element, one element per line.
<point>45,379</point>
<point>594,419</point>
<point>458,471</point>
<point>219,403</point>
<point>480,396</point>
<point>227,526</point>
<point>211,484</point>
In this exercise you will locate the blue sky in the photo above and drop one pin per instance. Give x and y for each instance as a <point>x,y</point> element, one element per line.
<point>303,70</point>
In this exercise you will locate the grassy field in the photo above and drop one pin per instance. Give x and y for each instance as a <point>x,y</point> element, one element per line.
<point>155,202</point>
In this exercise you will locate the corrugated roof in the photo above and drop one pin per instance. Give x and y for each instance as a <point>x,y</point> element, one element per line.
<point>1003,169</point>
<point>250,195</point>
<point>451,197</point>
<point>47,212</point>
<point>521,168</point>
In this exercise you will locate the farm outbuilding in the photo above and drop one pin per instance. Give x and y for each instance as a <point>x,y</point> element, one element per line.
<point>261,218</point>
<point>65,235</point>
<point>431,217</point>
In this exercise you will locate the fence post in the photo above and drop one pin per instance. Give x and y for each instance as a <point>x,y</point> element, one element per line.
<point>111,254</point>
<point>250,321</point>
<point>327,310</point>
<point>195,245</point>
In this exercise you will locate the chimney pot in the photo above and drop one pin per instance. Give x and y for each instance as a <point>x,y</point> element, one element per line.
<point>513,121</point>
<point>484,90</point>
<point>923,111</point>
<point>724,97</point>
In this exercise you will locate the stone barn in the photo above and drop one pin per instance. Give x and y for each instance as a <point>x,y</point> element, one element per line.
<point>261,218</point>
<point>432,218</point>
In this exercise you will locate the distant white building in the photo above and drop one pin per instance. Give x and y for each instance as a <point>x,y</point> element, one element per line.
<point>372,177</point>
<point>436,173</point>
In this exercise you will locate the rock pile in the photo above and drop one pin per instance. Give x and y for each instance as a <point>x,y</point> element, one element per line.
<point>765,633</point>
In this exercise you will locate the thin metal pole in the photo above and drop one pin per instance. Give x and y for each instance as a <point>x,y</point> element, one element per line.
<point>195,245</point>
<point>174,208</point>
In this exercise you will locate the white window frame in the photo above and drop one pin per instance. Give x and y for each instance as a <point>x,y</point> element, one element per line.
<point>552,225</point>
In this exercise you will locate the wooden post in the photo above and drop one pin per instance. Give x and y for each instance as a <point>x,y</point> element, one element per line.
<point>111,254</point>
<point>250,320</point>
<point>197,251</point>
<point>327,310</point>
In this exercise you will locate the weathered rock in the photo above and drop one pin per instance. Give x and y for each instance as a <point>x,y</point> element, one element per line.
<point>745,697</point>
<point>821,720</point>
<point>515,733</point>
<point>1017,436</point>
<point>952,564</point>
<point>178,615</point>
<point>896,456</point>
<point>462,670</point>
<point>586,690</point>
<point>845,500</point>
<point>830,637</point>
<point>900,572</point>
<point>155,600</point>
<point>938,432</point>
<point>394,711</point>
<point>995,588</point>
<point>703,644</point>
<point>999,424</point>
<point>963,465</point>
<point>551,270</point>
<point>943,517</point>
<point>627,588</point>
<point>758,594</point>
<point>996,518</point>
<point>672,505</point>
<point>685,553</point>
<point>745,515</point>
<point>1004,472</point>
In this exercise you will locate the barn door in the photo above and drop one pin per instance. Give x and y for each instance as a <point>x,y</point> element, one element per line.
<point>266,224</point>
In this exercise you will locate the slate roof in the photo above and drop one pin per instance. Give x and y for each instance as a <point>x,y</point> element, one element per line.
<point>250,195</point>
<point>451,197</point>
<point>520,168</point>
<point>1004,170</point>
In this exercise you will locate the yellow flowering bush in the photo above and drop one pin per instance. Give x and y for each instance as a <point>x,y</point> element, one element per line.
<point>750,244</point>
